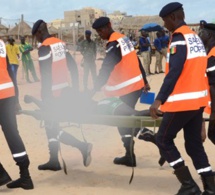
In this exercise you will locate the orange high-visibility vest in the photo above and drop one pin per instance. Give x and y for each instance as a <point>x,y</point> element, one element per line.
<point>190,91</point>
<point>59,64</point>
<point>6,85</point>
<point>126,76</point>
<point>208,107</point>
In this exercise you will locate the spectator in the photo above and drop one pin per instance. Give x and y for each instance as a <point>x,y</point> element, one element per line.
<point>27,62</point>
<point>144,45</point>
<point>158,54</point>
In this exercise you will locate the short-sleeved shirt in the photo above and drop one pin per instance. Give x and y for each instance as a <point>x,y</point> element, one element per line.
<point>12,52</point>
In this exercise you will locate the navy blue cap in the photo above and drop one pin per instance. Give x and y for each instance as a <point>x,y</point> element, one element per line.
<point>88,32</point>
<point>203,22</point>
<point>209,26</point>
<point>36,26</point>
<point>100,22</point>
<point>169,8</point>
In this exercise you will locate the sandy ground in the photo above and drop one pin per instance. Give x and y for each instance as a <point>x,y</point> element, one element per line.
<point>102,177</point>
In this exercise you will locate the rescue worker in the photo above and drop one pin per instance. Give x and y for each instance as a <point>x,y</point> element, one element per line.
<point>121,75</point>
<point>54,61</point>
<point>182,97</point>
<point>207,34</point>
<point>8,124</point>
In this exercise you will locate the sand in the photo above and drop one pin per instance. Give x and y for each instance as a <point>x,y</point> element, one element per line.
<point>102,177</point>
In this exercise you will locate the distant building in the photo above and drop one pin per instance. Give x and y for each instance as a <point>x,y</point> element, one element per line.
<point>57,23</point>
<point>116,17</point>
<point>85,17</point>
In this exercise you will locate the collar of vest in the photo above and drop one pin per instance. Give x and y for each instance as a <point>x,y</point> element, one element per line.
<point>114,36</point>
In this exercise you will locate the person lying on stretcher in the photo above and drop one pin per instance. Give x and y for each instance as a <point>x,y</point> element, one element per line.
<point>75,106</point>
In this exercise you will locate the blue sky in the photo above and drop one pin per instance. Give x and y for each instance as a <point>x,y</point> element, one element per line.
<point>48,10</point>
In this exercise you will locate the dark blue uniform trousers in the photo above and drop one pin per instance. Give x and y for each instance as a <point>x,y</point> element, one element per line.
<point>191,123</point>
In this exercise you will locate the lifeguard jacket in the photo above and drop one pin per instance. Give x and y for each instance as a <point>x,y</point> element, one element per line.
<point>6,85</point>
<point>59,64</point>
<point>126,76</point>
<point>190,91</point>
<point>208,107</point>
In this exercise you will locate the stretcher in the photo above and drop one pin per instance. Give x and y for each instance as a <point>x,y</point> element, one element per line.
<point>110,120</point>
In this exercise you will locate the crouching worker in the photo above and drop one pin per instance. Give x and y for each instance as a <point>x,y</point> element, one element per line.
<point>8,124</point>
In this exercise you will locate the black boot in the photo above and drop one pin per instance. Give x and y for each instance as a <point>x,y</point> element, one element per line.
<point>188,187</point>
<point>149,136</point>
<point>53,164</point>
<point>24,181</point>
<point>209,185</point>
<point>84,147</point>
<point>129,159</point>
<point>146,135</point>
<point>4,177</point>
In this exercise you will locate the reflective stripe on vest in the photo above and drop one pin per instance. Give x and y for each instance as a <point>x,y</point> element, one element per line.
<point>6,85</point>
<point>59,86</point>
<point>124,84</point>
<point>187,96</point>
